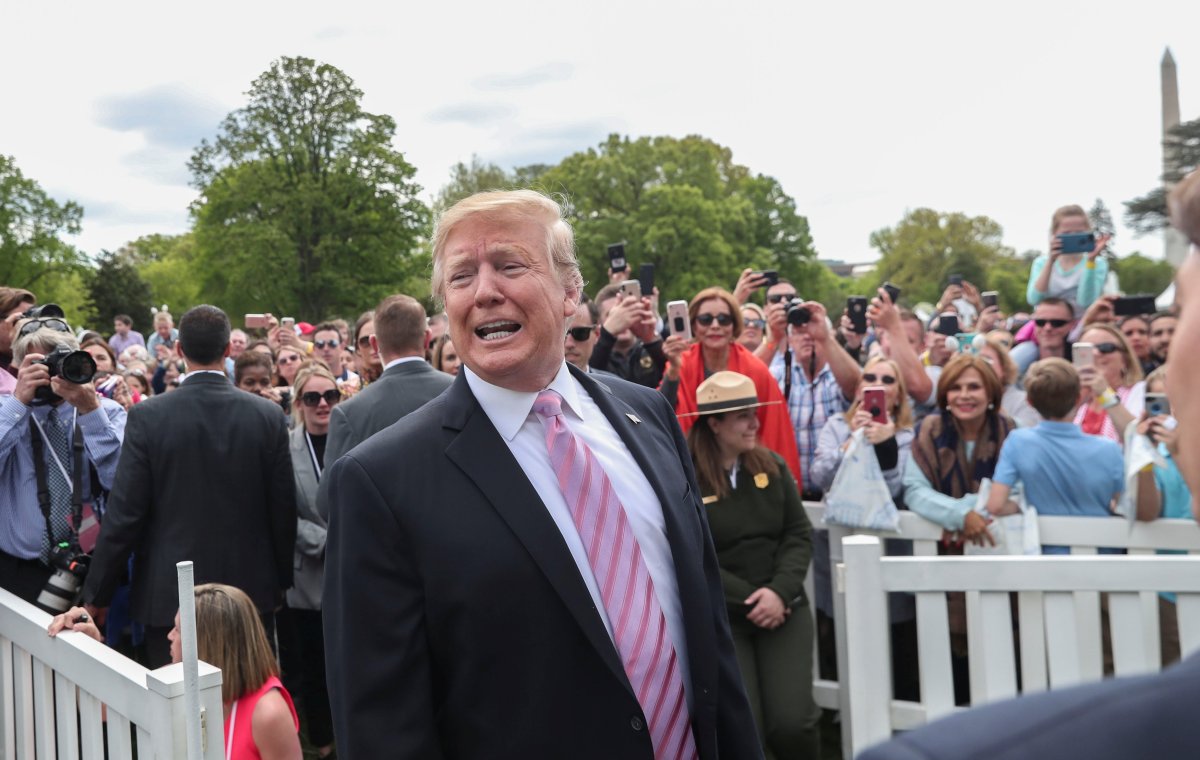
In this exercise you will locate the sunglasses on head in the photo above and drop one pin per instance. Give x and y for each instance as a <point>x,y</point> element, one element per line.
<point>580,334</point>
<point>724,320</point>
<point>1055,323</point>
<point>312,398</point>
<point>1107,348</point>
<point>759,323</point>
<point>871,377</point>
<point>778,297</point>
<point>53,323</point>
<point>331,343</point>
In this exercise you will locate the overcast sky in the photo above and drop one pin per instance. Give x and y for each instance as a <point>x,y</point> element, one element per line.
<point>862,110</point>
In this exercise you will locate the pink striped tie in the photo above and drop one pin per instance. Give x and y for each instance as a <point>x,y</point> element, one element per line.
<point>639,627</point>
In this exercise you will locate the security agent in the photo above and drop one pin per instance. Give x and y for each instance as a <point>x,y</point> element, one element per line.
<point>78,434</point>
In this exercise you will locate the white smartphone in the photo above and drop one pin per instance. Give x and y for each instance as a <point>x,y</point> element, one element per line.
<point>631,288</point>
<point>677,319</point>
<point>1083,355</point>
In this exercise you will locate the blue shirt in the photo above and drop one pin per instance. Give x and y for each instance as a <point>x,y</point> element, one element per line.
<point>22,524</point>
<point>810,406</point>
<point>1064,471</point>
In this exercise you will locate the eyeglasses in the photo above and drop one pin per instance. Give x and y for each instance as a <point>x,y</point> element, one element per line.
<point>759,323</point>
<point>1107,348</point>
<point>1055,323</point>
<point>331,343</point>
<point>777,297</point>
<point>312,398</point>
<point>724,320</point>
<point>288,359</point>
<point>53,323</point>
<point>871,377</point>
<point>580,334</point>
<point>364,341</point>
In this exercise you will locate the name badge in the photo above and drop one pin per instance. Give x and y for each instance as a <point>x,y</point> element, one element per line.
<point>709,499</point>
<point>761,480</point>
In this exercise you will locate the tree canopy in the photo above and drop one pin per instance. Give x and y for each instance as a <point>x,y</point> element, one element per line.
<point>1148,213</point>
<point>305,207</point>
<point>1139,274</point>
<point>32,225</point>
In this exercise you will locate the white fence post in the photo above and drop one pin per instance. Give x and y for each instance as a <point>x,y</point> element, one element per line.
<point>866,633</point>
<point>191,675</point>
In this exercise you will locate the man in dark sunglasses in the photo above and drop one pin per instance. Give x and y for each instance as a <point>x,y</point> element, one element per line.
<point>327,346</point>
<point>628,345</point>
<point>582,333</point>
<point>1053,319</point>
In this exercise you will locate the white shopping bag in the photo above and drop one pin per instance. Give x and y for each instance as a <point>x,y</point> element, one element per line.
<point>1140,453</point>
<point>1013,534</point>
<point>859,496</point>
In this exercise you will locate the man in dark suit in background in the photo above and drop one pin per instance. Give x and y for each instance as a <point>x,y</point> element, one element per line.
<point>205,475</point>
<point>1149,716</point>
<point>522,568</point>
<point>408,382</point>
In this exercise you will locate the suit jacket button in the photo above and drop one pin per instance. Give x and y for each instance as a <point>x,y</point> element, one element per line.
<point>636,723</point>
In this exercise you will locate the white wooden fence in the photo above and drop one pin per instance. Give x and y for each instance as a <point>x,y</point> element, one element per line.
<point>58,694</point>
<point>1056,625</point>
<point>1083,535</point>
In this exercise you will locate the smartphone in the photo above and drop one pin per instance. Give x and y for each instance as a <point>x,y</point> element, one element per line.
<point>893,292</point>
<point>631,288</point>
<point>771,275</point>
<point>1077,242</point>
<point>875,402</point>
<point>955,279</point>
<point>947,324</point>
<point>1158,405</point>
<point>1128,306</point>
<point>1083,355</point>
<point>616,257</point>
<point>677,319</point>
<point>646,278</point>
<point>257,320</point>
<point>288,323</point>
<point>990,298</point>
<point>856,309</point>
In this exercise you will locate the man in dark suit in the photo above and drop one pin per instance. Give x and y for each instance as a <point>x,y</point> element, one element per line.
<point>466,616</point>
<point>1149,716</point>
<point>205,475</point>
<point>408,382</point>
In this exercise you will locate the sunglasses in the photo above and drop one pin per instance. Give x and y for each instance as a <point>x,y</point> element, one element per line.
<point>53,323</point>
<point>288,359</point>
<point>724,320</point>
<point>778,297</point>
<point>364,341</point>
<point>1107,348</point>
<point>331,343</point>
<point>759,323</point>
<point>871,377</point>
<point>312,398</point>
<point>1055,323</point>
<point>580,334</point>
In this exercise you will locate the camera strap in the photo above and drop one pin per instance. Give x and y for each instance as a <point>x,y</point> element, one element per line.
<point>787,375</point>
<point>40,444</point>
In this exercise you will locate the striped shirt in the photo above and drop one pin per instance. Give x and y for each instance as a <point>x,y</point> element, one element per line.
<point>809,406</point>
<point>22,525</point>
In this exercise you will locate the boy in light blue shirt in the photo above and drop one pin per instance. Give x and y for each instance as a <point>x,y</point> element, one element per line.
<point>1063,470</point>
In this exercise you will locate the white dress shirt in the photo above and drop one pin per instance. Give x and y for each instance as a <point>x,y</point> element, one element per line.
<point>511,413</point>
<point>402,360</point>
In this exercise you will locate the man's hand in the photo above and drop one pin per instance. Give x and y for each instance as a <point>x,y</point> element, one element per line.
<point>884,314</point>
<point>988,318</point>
<point>846,328</point>
<point>162,353</point>
<point>951,294</point>
<point>645,328</point>
<point>30,377</point>
<point>767,609</point>
<point>776,318</point>
<point>747,283</point>
<point>971,293</point>
<point>625,313</point>
<point>621,276</point>
<point>1101,311</point>
<point>82,397</point>
<point>975,529</point>
<point>673,347</point>
<point>818,326</point>
<point>76,619</point>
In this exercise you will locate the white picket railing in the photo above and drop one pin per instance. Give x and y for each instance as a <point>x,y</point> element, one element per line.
<point>58,695</point>
<point>1055,626</point>
<point>1083,535</point>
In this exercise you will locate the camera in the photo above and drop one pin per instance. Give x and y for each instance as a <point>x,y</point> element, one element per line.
<point>45,311</point>
<point>61,591</point>
<point>798,314</point>
<point>73,366</point>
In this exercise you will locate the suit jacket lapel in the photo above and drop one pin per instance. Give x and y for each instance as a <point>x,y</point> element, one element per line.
<point>485,458</point>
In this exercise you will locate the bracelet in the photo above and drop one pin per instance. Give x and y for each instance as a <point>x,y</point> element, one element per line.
<point>1091,264</point>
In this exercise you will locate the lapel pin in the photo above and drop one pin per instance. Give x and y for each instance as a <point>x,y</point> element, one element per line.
<point>633,418</point>
<point>761,480</point>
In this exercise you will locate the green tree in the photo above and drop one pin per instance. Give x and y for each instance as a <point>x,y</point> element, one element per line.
<point>33,254</point>
<point>1140,274</point>
<point>305,208</point>
<point>1148,213</point>
<point>168,264</point>
<point>115,287</point>
<point>682,205</point>
<point>926,247</point>
<point>1102,224</point>
<point>468,179</point>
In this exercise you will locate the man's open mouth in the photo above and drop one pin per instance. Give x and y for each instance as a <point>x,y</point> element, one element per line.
<point>497,330</point>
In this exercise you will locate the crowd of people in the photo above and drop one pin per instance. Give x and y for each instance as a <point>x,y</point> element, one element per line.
<point>329,481</point>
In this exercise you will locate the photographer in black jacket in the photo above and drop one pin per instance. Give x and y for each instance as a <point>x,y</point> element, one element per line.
<point>628,345</point>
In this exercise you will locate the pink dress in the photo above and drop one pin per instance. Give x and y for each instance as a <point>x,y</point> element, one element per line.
<point>239,726</point>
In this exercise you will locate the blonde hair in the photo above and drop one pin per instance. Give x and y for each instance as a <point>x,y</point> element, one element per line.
<point>1009,367</point>
<point>1157,376</point>
<point>163,318</point>
<point>1052,386</point>
<point>1133,367</point>
<point>498,205</point>
<point>1063,212</point>
<point>230,636</point>
<point>307,372</point>
<point>901,410</point>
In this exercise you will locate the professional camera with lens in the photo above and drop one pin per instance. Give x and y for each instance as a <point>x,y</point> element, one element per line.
<point>45,311</point>
<point>61,591</point>
<point>73,366</point>
<point>798,314</point>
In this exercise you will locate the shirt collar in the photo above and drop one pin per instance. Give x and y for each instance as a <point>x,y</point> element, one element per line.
<point>402,360</point>
<point>508,409</point>
<point>189,375</point>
